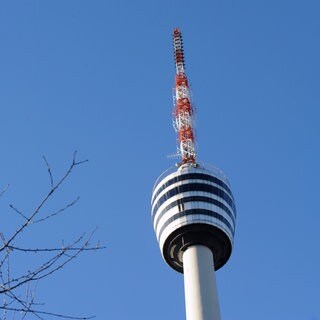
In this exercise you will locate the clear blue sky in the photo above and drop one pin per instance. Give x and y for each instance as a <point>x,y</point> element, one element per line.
<point>96,76</point>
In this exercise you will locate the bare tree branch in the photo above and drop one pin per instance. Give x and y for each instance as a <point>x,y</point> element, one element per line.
<point>49,170</point>
<point>18,290</point>
<point>43,202</point>
<point>18,211</point>
<point>59,211</point>
<point>4,190</point>
<point>46,313</point>
<point>35,250</point>
<point>45,269</point>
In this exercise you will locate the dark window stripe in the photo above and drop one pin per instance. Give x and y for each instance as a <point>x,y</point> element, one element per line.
<point>180,202</point>
<point>200,176</point>
<point>195,187</point>
<point>197,211</point>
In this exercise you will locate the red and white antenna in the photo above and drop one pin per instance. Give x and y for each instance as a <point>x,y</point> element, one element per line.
<point>183,110</point>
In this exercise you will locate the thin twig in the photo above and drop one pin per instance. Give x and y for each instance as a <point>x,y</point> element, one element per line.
<point>58,212</point>
<point>36,250</point>
<point>4,190</point>
<point>49,171</point>
<point>78,162</point>
<point>46,313</point>
<point>18,211</point>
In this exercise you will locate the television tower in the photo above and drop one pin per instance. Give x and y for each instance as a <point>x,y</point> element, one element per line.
<point>193,209</point>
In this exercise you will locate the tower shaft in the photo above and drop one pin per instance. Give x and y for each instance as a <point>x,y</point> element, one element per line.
<point>200,288</point>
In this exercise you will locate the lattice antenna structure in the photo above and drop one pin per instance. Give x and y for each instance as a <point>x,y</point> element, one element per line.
<point>183,113</point>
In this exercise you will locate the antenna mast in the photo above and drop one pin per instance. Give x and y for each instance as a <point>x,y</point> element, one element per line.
<point>183,110</point>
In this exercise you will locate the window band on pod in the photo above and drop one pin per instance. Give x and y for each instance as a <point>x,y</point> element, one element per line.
<point>194,212</point>
<point>194,187</point>
<point>194,199</point>
<point>190,176</point>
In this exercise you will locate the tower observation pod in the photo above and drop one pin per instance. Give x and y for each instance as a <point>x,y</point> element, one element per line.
<point>193,210</point>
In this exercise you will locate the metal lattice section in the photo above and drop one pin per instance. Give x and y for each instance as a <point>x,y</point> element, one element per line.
<point>183,110</point>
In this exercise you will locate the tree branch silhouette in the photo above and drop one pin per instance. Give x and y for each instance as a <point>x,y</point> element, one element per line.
<point>18,290</point>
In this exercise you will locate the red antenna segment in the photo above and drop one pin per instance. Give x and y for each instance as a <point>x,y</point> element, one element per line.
<point>183,110</point>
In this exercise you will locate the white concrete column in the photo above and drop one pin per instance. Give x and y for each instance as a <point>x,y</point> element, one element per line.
<point>201,297</point>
